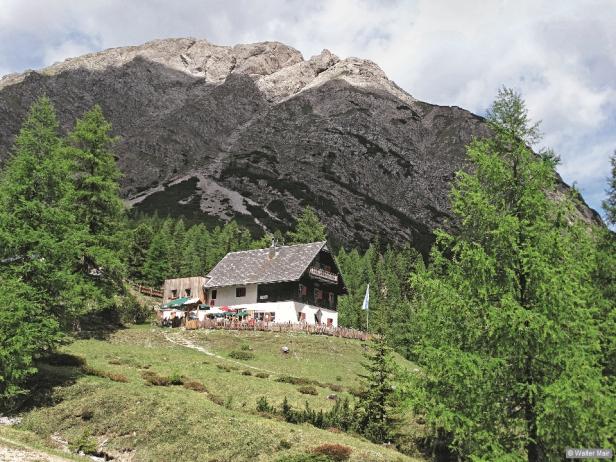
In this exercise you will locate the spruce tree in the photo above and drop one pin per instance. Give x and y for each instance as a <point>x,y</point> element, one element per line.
<point>505,325</point>
<point>157,265</point>
<point>308,228</point>
<point>609,204</point>
<point>376,409</point>
<point>141,239</point>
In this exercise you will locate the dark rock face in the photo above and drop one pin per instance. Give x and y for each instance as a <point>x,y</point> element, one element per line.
<point>255,133</point>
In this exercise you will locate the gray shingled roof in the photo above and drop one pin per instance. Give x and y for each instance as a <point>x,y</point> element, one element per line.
<point>256,266</point>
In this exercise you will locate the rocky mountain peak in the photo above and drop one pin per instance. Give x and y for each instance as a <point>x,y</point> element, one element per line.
<point>255,132</point>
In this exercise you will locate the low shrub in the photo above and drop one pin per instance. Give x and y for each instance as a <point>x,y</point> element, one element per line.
<point>246,373</point>
<point>89,370</point>
<point>335,387</point>
<point>264,406</point>
<point>308,390</point>
<point>85,443</point>
<point>296,380</point>
<point>176,379</point>
<point>283,445</point>
<point>338,378</point>
<point>245,347</point>
<point>194,386</point>
<point>153,378</point>
<point>241,355</point>
<point>216,399</point>
<point>115,361</point>
<point>357,392</point>
<point>305,457</point>
<point>262,375</point>
<point>64,359</point>
<point>223,368</point>
<point>336,452</point>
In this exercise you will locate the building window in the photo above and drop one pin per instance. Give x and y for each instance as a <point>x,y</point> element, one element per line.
<point>187,292</point>
<point>330,322</point>
<point>240,292</point>
<point>331,297</point>
<point>318,294</point>
<point>302,291</point>
<point>213,294</point>
<point>174,293</point>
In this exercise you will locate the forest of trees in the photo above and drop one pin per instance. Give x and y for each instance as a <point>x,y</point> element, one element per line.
<point>511,321</point>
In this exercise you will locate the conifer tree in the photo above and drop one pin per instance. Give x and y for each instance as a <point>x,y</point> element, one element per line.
<point>308,228</point>
<point>141,239</point>
<point>25,332</point>
<point>506,334</point>
<point>157,265</point>
<point>96,199</point>
<point>376,409</point>
<point>40,233</point>
<point>609,204</point>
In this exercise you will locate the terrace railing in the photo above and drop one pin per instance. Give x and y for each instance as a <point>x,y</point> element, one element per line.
<point>323,274</point>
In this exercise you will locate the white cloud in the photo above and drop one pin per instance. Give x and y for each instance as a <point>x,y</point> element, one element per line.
<point>560,55</point>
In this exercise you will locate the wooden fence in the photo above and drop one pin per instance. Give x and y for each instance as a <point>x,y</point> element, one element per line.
<point>227,324</point>
<point>149,291</point>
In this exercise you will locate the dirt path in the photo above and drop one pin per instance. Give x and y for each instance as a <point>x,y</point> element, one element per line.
<point>181,341</point>
<point>14,451</point>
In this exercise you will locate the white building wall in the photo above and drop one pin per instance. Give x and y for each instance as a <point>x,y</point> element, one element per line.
<point>225,296</point>
<point>288,312</point>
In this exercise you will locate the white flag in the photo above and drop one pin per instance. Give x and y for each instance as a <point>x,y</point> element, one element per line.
<point>366,298</point>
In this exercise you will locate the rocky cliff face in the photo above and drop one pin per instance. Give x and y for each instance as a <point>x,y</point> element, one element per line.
<point>255,132</point>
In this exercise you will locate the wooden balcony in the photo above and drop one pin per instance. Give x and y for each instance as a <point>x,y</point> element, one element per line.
<point>322,274</point>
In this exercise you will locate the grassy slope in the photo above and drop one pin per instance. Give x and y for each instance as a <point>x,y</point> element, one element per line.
<point>173,423</point>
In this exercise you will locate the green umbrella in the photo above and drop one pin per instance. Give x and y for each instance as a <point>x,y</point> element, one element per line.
<point>176,302</point>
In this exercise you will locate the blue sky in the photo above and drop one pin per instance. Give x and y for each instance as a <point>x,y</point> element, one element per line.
<point>560,55</point>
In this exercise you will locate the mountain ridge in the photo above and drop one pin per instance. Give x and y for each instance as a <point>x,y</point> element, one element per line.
<point>256,132</point>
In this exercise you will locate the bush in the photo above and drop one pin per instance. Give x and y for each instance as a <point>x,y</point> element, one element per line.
<point>154,379</point>
<point>246,373</point>
<point>263,406</point>
<point>283,445</point>
<point>245,347</point>
<point>262,375</point>
<point>241,355</point>
<point>304,458</point>
<point>88,370</point>
<point>176,379</point>
<point>223,368</point>
<point>216,399</point>
<point>308,390</point>
<point>296,380</point>
<point>335,387</point>
<point>194,386</point>
<point>85,443</point>
<point>337,452</point>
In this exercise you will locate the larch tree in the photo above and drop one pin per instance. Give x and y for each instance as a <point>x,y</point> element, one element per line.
<point>308,228</point>
<point>505,317</point>
<point>96,198</point>
<point>39,246</point>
